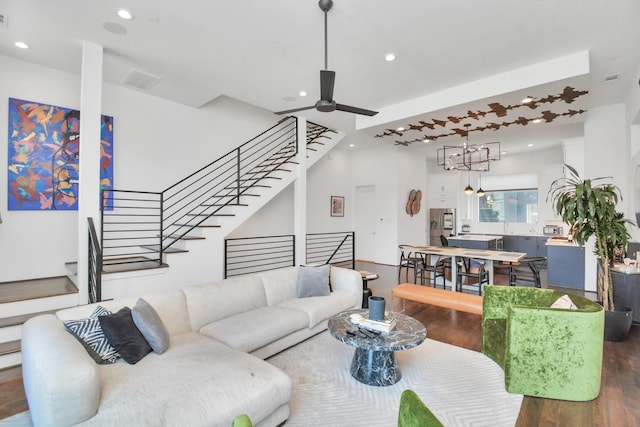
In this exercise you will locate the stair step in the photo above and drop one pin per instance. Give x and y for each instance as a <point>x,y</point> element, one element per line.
<point>187,237</point>
<point>23,290</point>
<point>9,347</point>
<point>211,215</point>
<point>119,265</point>
<point>156,248</point>
<point>20,319</point>
<point>10,373</point>
<point>222,205</point>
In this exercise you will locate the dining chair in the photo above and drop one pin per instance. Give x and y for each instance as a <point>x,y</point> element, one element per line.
<point>408,260</point>
<point>473,269</point>
<point>519,274</point>
<point>429,271</point>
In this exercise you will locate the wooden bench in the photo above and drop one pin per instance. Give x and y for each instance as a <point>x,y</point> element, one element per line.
<point>440,297</point>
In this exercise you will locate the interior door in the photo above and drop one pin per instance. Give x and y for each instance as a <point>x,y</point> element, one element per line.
<point>365,227</point>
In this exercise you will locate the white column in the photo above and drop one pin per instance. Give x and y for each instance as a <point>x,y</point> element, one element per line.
<point>300,195</point>
<point>89,162</point>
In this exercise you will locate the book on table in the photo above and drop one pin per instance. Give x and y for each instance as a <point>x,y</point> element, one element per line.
<point>368,275</point>
<point>387,325</point>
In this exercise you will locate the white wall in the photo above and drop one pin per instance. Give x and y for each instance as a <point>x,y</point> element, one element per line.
<point>156,142</point>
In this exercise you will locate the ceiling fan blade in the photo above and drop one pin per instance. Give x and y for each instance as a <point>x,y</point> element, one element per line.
<point>295,110</point>
<point>356,110</point>
<point>327,79</point>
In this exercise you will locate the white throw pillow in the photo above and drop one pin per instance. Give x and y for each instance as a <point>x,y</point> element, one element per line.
<point>564,302</point>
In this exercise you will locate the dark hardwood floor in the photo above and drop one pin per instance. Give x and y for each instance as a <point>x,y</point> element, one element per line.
<point>618,404</point>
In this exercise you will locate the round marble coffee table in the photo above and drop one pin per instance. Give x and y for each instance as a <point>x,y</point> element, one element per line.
<point>374,361</point>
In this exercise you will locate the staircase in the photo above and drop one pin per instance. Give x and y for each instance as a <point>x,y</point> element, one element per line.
<point>188,251</point>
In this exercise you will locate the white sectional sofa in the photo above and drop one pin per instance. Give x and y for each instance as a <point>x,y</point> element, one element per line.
<point>213,369</point>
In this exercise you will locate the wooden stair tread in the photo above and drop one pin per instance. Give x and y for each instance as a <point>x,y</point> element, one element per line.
<point>36,288</point>
<point>119,265</point>
<point>10,373</point>
<point>9,347</point>
<point>156,248</point>
<point>20,319</point>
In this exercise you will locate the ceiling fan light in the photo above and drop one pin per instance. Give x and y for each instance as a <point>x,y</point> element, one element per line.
<point>468,190</point>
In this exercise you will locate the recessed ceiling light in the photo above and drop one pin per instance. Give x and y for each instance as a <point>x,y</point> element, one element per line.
<point>124,14</point>
<point>529,145</point>
<point>502,153</point>
<point>351,145</point>
<point>389,57</point>
<point>302,93</point>
<point>400,129</point>
<point>21,45</point>
<point>537,121</point>
<point>527,100</point>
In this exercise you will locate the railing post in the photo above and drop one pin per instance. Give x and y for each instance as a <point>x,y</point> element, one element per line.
<point>238,175</point>
<point>353,250</point>
<point>161,246</point>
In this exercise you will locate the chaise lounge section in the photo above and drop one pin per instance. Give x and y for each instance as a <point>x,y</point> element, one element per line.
<point>213,369</point>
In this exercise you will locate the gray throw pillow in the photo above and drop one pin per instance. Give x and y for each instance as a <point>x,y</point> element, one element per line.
<point>313,281</point>
<point>149,323</point>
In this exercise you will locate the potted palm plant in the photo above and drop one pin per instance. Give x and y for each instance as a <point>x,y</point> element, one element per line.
<point>589,207</point>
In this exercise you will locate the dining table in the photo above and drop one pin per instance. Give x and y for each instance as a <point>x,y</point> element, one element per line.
<point>434,254</point>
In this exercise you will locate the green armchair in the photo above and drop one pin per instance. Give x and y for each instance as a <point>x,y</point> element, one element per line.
<point>544,352</point>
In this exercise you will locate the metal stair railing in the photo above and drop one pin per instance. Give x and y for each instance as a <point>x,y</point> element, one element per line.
<point>143,225</point>
<point>244,255</point>
<point>95,264</point>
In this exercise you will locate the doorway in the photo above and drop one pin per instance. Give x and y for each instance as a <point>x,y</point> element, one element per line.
<point>365,218</point>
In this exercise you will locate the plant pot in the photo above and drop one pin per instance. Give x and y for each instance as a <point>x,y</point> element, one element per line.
<point>617,323</point>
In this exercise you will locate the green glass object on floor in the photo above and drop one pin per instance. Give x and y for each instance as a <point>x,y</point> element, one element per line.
<point>242,420</point>
<point>414,413</point>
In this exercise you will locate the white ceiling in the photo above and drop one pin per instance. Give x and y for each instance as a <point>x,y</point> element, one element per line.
<point>264,52</point>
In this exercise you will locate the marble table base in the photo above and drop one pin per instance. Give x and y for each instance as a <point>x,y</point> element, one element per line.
<point>376,368</point>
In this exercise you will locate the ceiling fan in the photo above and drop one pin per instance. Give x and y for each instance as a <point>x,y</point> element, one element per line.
<point>327,79</point>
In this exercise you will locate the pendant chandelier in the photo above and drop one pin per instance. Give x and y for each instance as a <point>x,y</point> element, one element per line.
<point>469,157</point>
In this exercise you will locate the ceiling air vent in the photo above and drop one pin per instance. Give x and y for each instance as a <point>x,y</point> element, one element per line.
<point>4,21</point>
<point>141,80</point>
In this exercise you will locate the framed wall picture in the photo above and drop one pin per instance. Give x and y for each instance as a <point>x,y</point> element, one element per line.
<point>337,206</point>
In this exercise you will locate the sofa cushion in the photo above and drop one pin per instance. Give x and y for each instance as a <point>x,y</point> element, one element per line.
<point>171,306</point>
<point>313,281</point>
<point>90,334</point>
<point>220,300</point>
<point>280,284</point>
<point>124,336</point>
<point>254,329</point>
<point>196,382</point>
<point>150,325</point>
<point>321,308</point>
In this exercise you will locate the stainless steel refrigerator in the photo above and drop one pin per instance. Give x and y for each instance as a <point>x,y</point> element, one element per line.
<point>441,222</point>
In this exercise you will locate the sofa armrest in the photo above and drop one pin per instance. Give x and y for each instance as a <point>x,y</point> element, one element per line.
<point>347,280</point>
<point>554,352</point>
<point>61,380</point>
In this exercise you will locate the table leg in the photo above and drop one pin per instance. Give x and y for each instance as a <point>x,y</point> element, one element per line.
<point>376,368</point>
<point>454,273</point>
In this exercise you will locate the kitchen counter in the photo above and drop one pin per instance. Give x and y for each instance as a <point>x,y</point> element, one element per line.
<point>477,241</point>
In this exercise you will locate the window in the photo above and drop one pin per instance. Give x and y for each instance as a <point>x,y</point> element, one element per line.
<point>509,206</point>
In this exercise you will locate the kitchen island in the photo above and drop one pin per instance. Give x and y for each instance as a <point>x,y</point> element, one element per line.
<point>565,264</point>
<point>477,241</point>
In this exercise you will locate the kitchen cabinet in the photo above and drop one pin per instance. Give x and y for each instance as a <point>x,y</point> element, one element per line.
<point>565,265</point>
<point>533,246</point>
